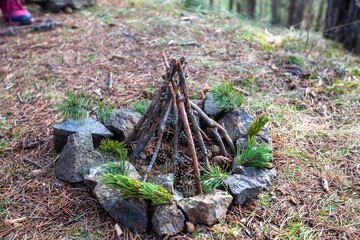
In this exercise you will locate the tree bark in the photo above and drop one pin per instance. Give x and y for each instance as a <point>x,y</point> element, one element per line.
<point>211,3</point>
<point>342,23</point>
<point>251,8</point>
<point>261,9</point>
<point>291,11</point>
<point>296,12</point>
<point>274,10</point>
<point>308,19</point>
<point>238,7</point>
<point>319,16</point>
<point>231,4</point>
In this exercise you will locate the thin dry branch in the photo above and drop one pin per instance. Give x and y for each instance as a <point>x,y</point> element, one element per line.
<point>190,142</point>
<point>145,116</point>
<point>212,123</point>
<point>160,137</point>
<point>193,124</point>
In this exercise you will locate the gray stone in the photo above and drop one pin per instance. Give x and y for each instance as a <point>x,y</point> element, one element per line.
<point>77,157</point>
<point>166,181</point>
<point>211,109</point>
<point>167,219</point>
<point>262,175</point>
<point>95,174</point>
<point>244,188</point>
<point>57,5</point>
<point>122,123</point>
<point>207,208</point>
<point>242,143</point>
<point>176,195</point>
<point>236,123</point>
<point>131,213</point>
<point>70,126</point>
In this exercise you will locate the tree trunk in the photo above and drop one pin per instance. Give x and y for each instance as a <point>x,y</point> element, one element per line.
<point>274,9</point>
<point>319,16</point>
<point>342,23</point>
<point>296,12</point>
<point>251,8</point>
<point>238,7</point>
<point>261,9</point>
<point>308,19</point>
<point>292,7</point>
<point>231,4</point>
<point>211,4</point>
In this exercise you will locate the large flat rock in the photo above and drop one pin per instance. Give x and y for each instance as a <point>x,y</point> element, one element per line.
<point>131,213</point>
<point>122,123</point>
<point>95,174</point>
<point>77,157</point>
<point>236,123</point>
<point>247,187</point>
<point>167,219</point>
<point>211,109</point>
<point>206,208</point>
<point>70,126</point>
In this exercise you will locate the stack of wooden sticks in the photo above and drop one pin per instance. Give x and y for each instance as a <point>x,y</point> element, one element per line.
<point>172,96</point>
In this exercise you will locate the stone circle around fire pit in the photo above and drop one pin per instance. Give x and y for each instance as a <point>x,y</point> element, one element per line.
<point>80,161</point>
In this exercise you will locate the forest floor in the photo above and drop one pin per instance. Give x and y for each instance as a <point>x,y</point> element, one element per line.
<point>314,106</point>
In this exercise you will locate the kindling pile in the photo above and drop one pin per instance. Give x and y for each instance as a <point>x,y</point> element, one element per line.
<point>172,97</point>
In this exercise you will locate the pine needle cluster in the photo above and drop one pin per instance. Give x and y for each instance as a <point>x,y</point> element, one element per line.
<point>255,155</point>
<point>256,126</point>
<point>117,168</point>
<point>118,150</point>
<point>103,111</point>
<point>81,105</point>
<point>212,178</point>
<point>226,96</point>
<point>141,106</point>
<point>133,188</point>
<point>75,105</point>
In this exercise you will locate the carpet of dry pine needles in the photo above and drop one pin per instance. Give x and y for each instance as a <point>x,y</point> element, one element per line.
<point>315,131</point>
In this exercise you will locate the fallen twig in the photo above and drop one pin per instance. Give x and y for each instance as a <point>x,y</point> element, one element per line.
<point>40,27</point>
<point>110,81</point>
<point>13,221</point>
<point>191,43</point>
<point>33,163</point>
<point>130,35</point>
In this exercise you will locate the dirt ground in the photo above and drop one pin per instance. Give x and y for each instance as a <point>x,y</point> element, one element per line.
<point>314,107</point>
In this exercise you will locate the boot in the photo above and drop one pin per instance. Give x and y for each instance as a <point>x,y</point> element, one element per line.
<point>15,12</point>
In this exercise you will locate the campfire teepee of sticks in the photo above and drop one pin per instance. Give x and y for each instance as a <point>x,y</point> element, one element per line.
<point>172,96</point>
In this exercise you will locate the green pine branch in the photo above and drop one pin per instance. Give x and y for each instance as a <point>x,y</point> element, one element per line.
<point>226,96</point>
<point>81,105</point>
<point>117,149</point>
<point>133,188</point>
<point>75,105</point>
<point>256,126</point>
<point>103,111</point>
<point>141,106</point>
<point>212,178</point>
<point>254,155</point>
